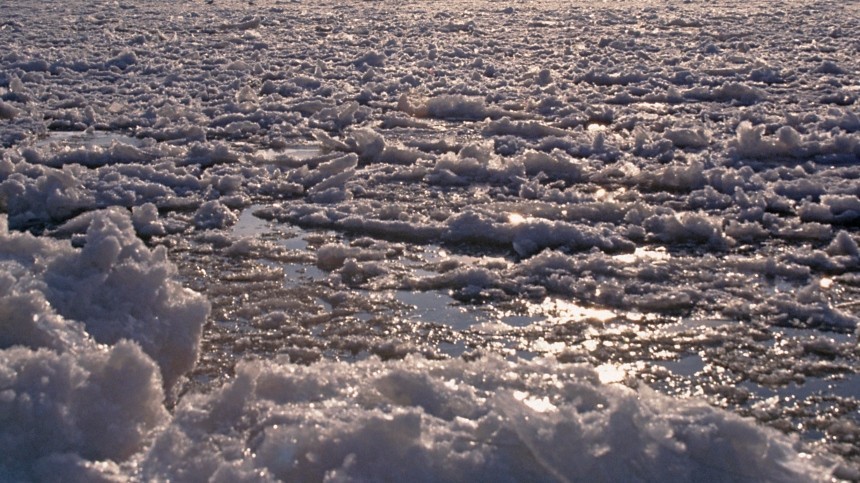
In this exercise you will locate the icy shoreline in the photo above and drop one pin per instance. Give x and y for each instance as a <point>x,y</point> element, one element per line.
<point>353,240</point>
<point>70,405</point>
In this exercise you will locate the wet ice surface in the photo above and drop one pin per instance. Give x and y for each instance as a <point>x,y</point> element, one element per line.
<point>571,198</point>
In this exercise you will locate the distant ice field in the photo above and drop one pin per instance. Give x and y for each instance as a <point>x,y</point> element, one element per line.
<point>353,240</point>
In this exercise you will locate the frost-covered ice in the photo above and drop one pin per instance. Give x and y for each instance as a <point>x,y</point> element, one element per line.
<point>439,241</point>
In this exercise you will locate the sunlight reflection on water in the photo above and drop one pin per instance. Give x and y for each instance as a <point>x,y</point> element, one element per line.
<point>560,311</point>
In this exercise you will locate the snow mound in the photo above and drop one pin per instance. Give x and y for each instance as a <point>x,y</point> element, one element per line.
<point>450,106</point>
<point>490,419</point>
<point>213,215</point>
<point>114,287</point>
<point>529,235</point>
<point>786,142</point>
<point>59,410</point>
<point>91,338</point>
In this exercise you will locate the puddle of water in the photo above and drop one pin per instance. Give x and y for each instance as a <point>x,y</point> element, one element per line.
<point>781,285</point>
<point>433,254</point>
<point>294,243</point>
<point>799,333</point>
<point>83,139</point>
<point>296,274</point>
<point>521,320</point>
<point>847,386</point>
<point>694,324</point>
<point>455,349</point>
<point>422,273</point>
<point>439,308</point>
<point>250,225</point>
<point>326,305</point>
<point>687,366</point>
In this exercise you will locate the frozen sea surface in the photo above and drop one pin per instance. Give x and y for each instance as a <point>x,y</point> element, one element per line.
<point>431,241</point>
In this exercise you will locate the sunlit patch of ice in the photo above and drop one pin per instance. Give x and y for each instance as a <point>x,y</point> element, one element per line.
<point>596,127</point>
<point>643,255</point>
<point>516,219</point>
<point>610,373</point>
<point>540,405</point>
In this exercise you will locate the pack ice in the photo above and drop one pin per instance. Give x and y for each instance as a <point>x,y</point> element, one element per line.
<point>283,240</point>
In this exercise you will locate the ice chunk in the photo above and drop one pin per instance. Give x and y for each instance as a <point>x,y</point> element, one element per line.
<point>89,152</point>
<point>370,59</point>
<point>687,138</point>
<point>213,214</point>
<point>556,165</point>
<point>529,129</point>
<point>751,142</point>
<point>123,60</point>
<point>246,23</point>
<point>451,106</point>
<point>730,91</point>
<point>7,111</point>
<point>843,244</point>
<point>528,236</point>
<point>489,419</point>
<point>679,177</point>
<point>117,288</point>
<point>688,227</point>
<point>145,220</point>
<point>98,404</point>
<point>787,142</point>
<point>811,309</point>
<point>830,67</point>
<point>50,195</point>
<point>601,78</point>
<point>475,161</point>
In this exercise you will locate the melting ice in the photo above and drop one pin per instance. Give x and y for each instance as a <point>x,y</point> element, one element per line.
<point>350,241</point>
